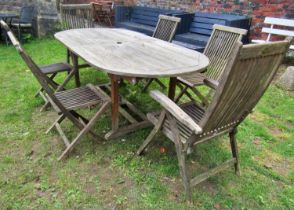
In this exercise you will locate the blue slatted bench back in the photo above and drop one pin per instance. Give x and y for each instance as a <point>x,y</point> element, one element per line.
<point>146,15</point>
<point>202,22</point>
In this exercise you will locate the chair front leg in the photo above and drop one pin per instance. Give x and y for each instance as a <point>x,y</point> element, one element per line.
<point>234,148</point>
<point>109,21</point>
<point>19,33</point>
<point>210,94</point>
<point>181,155</point>
<point>66,80</point>
<point>200,96</point>
<point>149,81</point>
<point>160,83</point>
<point>75,63</point>
<point>58,121</point>
<point>183,91</point>
<point>152,134</point>
<point>41,89</point>
<point>85,130</point>
<point>85,121</point>
<point>68,56</point>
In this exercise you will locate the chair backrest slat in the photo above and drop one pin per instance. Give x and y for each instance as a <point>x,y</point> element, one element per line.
<point>26,14</point>
<point>279,21</point>
<point>77,16</point>
<point>219,47</point>
<point>166,27</point>
<point>279,32</point>
<point>248,74</point>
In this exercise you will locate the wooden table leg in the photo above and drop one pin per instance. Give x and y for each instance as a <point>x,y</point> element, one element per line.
<point>68,56</point>
<point>75,64</point>
<point>114,101</point>
<point>172,87</point>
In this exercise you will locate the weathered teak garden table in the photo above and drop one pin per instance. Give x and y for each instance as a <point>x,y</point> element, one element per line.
<point>125,54</point>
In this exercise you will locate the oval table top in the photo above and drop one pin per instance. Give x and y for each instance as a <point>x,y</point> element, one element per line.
<point>128,53</point>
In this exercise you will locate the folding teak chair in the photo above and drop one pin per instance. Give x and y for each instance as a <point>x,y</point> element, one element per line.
<point>103,13</point>
<point>77,16</point>
<point>245,79</point>
<point>218,49</point>
<point>165,30</point>
<point>74,16</point>
<point>49,70</point>
<point>25,21</point>
<point>67,101</point>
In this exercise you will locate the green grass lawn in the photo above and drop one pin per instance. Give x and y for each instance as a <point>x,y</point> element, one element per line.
<point>110,176</point>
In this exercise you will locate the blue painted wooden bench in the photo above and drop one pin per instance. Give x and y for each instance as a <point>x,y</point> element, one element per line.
<point>141,19</point>
<point>196,29</point>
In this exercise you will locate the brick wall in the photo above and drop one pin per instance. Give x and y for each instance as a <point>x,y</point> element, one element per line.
<point>257,9</point>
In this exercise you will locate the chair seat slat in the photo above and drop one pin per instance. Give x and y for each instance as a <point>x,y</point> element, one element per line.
<point>78,97</point>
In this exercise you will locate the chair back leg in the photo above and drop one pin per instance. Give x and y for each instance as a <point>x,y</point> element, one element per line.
<point>234,149</point>
<point>182,161</point>
<point>152,134</point>
<point>181,155</point>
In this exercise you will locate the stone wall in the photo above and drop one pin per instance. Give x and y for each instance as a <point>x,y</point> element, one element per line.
<point>44,7</point>
<point>46,16</point>
<point>48,20</point>
<point>10,5</point>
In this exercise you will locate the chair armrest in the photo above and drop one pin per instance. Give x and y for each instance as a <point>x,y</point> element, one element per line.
<point>175,110</point>
<point>211,83</point>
